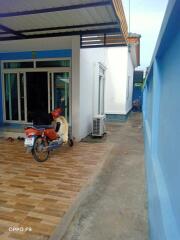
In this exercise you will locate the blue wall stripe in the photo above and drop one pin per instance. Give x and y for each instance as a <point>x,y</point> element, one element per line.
<point>1,102</point>
<point>35,54</point>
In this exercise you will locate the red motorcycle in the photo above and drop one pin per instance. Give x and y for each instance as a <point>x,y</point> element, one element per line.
<point>41,140</point>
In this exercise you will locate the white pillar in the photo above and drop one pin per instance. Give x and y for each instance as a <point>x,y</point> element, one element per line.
<point>76,87</point>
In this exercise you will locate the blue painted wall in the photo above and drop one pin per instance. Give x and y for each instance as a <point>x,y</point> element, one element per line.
<point>29,55</point>
<point>169,120</point>
<point>161,112</point>
<point>1,102</point>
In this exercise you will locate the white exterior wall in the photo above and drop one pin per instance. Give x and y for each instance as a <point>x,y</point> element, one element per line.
<point>118,90</point>
<point>130,83</point>
<point>39,44</point>
<point>116,80</point>
<point>118,95</point>
<point>56,43</point>
<point>85,77</point>
<point>89,84</point>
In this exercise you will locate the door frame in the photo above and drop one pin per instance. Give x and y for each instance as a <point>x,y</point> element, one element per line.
<point>101,89</point>
<point>51,91</point>
<point>49,70</point>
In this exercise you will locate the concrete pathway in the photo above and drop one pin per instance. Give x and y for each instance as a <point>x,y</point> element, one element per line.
<point>115,204</point>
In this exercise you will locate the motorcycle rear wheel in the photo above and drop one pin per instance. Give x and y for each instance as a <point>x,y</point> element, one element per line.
<point>37,152</point>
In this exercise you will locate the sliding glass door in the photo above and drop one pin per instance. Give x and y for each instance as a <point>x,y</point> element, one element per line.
<point>59,92</point>
<point>18,101</point>
<point>14,95</point>
<point>11,96</point>
<point>36,85</point>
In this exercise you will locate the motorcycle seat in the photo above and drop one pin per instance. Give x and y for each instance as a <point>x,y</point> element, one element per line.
<point>43,126</point>
<point>40,127</point>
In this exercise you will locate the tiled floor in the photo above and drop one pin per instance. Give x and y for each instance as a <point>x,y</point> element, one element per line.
<point>37,195</point>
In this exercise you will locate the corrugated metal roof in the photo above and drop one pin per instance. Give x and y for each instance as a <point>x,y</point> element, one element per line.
<point>24,5</point>
<point>54,19</point>
<point>25,19</point>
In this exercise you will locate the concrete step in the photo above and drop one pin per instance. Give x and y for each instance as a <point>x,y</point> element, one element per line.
<point>11,132</point>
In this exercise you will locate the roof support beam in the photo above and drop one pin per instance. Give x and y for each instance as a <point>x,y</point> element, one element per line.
<point>109,45</point>
<point>61,34</point>
<point>3,33</point>
<point>11,31</point>
<point>68,27</point>
<point>111,30</point>
<point>56,9</point>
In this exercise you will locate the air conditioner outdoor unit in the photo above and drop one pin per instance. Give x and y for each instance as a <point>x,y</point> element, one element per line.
<point>98,126</point>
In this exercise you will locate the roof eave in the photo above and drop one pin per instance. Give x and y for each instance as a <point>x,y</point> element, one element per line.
<point>119,11</point>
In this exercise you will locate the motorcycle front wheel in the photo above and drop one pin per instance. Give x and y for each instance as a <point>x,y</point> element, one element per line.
<point>38,151</point>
